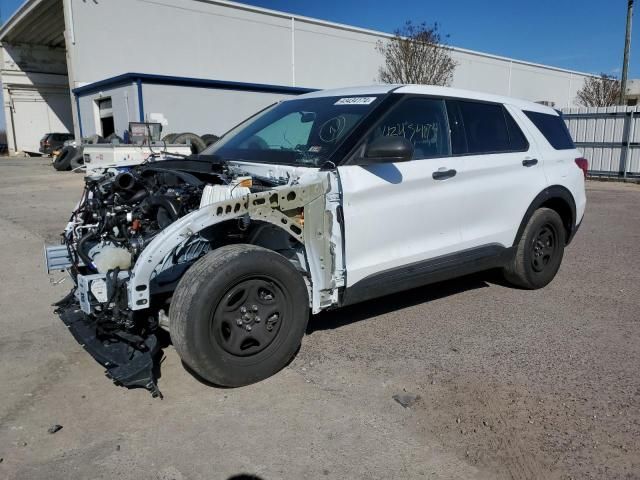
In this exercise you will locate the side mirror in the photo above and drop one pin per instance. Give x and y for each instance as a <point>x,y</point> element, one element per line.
<point>387,150</point>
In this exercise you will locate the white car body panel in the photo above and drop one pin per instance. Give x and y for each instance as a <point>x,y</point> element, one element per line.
<point>397,214</point>
<point>498,189</point>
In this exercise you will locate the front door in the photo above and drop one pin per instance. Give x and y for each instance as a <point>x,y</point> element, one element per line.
<point>399,215</point>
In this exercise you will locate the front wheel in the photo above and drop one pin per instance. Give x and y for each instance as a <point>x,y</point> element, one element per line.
<point>239,314</point>
<point>539,252</point>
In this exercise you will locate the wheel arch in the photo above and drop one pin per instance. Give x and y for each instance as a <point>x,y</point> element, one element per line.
<point>273,207</point>
<point>557,198</point>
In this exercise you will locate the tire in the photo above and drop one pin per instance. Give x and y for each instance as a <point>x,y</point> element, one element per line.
<point>217,310</point>
<point>94,139</point>
<point>197,144</point>
<point>77,161</point>
<point>63,161</point>
<point>539,252</point>
<point>210,139</point>
<point>169,138</point>
<point>113,137</point>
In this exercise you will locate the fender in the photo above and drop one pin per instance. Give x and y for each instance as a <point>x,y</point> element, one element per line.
<point>278,207</point>
<point>550,193</point>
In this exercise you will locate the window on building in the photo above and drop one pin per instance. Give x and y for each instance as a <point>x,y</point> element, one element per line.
<point>422,121</point>
<point>553,128</point>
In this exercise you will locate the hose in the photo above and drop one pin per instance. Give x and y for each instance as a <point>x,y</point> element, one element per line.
<point>166,203</point>
<point>81,253</point>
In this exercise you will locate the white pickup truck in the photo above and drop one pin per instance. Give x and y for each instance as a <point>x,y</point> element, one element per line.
<point>325,200</point>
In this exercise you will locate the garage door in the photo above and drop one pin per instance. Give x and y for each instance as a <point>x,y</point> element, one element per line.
<point>35,114</point>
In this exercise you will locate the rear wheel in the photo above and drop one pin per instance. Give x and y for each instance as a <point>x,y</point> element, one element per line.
<point>238,315</point>
<point>539,252</point>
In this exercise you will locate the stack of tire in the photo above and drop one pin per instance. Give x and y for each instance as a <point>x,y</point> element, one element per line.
<point>198,143</point>
<point>71,157</point>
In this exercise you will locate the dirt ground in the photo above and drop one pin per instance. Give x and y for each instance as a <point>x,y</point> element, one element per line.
<point>512,384</point>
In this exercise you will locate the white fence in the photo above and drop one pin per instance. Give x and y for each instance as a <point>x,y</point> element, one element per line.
<point>609,137</point>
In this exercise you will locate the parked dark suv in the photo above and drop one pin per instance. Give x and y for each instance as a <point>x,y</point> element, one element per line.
<point>53,141</point>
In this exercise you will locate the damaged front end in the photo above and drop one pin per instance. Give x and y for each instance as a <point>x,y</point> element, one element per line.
<point>135,233</point>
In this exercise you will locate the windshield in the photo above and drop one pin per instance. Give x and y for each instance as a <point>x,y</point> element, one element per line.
<point>302,132</point>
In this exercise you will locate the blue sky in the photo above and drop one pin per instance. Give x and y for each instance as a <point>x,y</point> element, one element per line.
<point>586,35</point>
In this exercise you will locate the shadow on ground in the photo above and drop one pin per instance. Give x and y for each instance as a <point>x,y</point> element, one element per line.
<point>363,311</point>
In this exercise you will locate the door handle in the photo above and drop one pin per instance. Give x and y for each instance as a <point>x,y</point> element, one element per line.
<point>443,174</point>
<point>529,162</point>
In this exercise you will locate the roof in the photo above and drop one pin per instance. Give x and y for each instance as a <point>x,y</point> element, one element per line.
<point>36,22</point>
<point>147,78</point>
<point>430,90</point>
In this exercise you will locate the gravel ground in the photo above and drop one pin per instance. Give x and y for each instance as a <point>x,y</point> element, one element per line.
<point>509,383</point>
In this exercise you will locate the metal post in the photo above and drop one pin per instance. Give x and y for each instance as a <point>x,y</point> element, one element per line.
<point>627,148</point>
<point>625,62</point>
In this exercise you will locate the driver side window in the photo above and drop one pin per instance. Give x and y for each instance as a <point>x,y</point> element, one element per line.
<point>422,121</point>
<point>284,134</point>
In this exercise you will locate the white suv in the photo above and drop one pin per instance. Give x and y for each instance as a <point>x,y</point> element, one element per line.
<point>324,200</point>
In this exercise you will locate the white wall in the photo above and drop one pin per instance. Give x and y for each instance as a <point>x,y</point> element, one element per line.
<point>124,101</point>
<point>35,93</point>
<point>201,111</point>
<point>216,40</point>
<point>179,37</point>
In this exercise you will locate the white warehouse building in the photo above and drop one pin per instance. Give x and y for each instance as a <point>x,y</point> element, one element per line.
<point>91,67</point>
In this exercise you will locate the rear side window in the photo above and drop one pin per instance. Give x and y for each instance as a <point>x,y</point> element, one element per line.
<point>478,127</point>
<point>553,128</point>
<point>518,140</point>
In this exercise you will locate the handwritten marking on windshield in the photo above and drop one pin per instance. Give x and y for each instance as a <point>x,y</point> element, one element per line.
<point>332,128</point>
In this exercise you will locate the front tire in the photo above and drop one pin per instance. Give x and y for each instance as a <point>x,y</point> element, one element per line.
<point>239,314</point>
<point>539,252</point>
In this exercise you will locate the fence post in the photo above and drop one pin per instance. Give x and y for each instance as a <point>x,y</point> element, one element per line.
<point>627,142</point>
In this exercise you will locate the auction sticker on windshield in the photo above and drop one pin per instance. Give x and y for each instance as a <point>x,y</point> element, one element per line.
<point>355,101</point>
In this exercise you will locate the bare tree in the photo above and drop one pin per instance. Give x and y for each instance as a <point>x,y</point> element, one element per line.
<point>416,54</point>
<point>602,91</point>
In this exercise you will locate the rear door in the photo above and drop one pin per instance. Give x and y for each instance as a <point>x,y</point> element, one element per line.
<point>401,214</point>
<point>503,172</point>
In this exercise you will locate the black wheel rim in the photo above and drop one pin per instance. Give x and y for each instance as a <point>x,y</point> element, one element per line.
<point>248,317</point>
<point>544,247</point>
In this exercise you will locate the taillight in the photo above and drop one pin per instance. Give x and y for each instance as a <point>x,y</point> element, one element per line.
<point>583,164</point>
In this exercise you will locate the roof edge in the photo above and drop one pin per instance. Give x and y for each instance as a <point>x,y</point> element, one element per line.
<point>148,78</point>
<point>17,16</point>
<point>29,5</point>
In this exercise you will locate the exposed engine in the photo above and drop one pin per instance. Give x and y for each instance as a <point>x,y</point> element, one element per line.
<point>119,214</point>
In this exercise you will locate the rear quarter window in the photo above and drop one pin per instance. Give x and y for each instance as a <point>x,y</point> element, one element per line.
<point>482,128</point>
<point>553,128</point>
